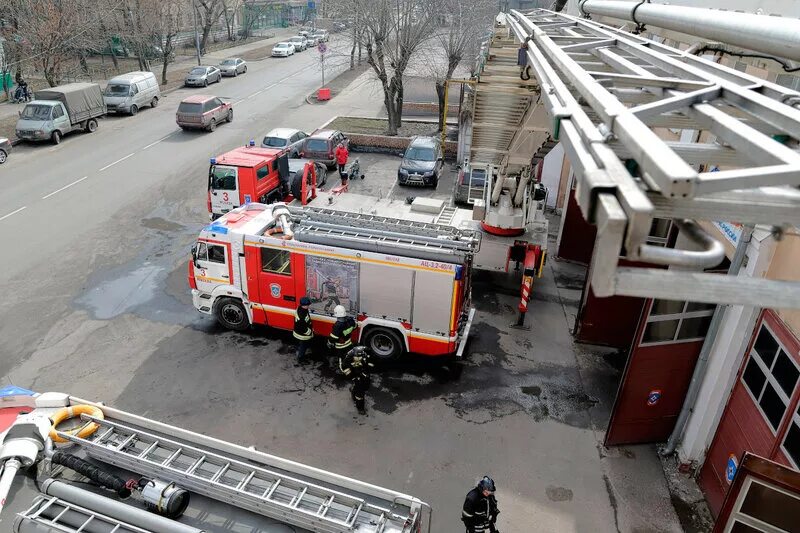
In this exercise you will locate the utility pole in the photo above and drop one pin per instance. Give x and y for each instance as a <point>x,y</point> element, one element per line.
<point>196,35</point>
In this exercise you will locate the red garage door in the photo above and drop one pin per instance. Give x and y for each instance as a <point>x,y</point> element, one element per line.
<point>762,413</point>
<point>658,371</point>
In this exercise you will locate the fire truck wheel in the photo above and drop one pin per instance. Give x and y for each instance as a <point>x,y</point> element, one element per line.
<point>384,343</point>
<point>297,184</point>
<point>231,314</point>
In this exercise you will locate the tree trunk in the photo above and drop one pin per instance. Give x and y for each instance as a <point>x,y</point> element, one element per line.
<point>442,103</point>
<point>352,55</point>
<point>204,37</point>
<point>114,59</point>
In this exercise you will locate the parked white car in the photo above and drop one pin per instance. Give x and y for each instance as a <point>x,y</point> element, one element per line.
<point>283,50</point>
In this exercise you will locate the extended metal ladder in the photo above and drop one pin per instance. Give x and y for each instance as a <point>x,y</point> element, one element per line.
<point>257,489</point>
<point>607,93</point>
<point>61,515</point>
<point>446,215</point>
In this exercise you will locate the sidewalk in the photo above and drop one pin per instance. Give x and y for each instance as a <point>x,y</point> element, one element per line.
<point>251,51</point>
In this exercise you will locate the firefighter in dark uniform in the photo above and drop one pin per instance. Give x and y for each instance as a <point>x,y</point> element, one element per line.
<point>340,338</point>
<point>303,331</point>
<point>356,366</point>
<point>480,508</point>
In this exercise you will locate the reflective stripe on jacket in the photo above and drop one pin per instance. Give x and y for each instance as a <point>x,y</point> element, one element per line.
<point>302,325</point>
<point>341,332</point>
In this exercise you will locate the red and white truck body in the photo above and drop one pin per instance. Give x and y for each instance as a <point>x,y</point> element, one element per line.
<point>406,283</point>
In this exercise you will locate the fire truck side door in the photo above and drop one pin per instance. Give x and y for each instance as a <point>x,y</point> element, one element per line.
<point>211,266</point>
<point>223,186</point>
<point>276,286</point>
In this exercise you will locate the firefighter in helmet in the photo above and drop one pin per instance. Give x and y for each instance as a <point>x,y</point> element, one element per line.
<point>480,508</point>
<point>356,366</point>
<point>340,339</point>
<point>303,331</point>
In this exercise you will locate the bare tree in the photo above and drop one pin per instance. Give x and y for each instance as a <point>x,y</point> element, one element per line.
<point>465,23</point>
<point>229,10</point>
<point>209,12</point>
<point>172,15</point>
<point>393,31</point>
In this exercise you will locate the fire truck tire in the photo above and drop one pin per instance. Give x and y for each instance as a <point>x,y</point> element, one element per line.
<point>297,184</point>
<point>384,343</point>
<point>231,313</point>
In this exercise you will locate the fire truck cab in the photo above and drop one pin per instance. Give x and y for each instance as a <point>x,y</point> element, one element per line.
<point>247,174</point>
<point>406,283</point>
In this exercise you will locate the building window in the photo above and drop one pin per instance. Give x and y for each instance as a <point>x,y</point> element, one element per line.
<point>672,321</point>
<point>791,443</point>
<point>770,377</point>
<point>276,261</point>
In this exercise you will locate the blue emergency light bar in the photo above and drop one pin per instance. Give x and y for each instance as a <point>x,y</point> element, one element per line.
<point>213,160</point>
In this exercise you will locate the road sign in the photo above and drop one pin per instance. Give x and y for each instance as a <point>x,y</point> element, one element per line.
<point>322,47</point>
<point>730,469</point>
<point>653,397</point>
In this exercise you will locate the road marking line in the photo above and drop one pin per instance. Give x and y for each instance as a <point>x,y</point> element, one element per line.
<point>64,187</point>
<point>389,196</point>
<point>158,141</point>
<point>13,212</point>
<point>117,161</point>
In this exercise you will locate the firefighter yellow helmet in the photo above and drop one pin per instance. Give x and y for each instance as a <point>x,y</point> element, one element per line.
<point>339,311</point>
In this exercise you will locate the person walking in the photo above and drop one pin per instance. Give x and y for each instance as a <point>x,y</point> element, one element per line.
<point>340,338</point>
<point>480,511</point>
<point>356,366</point>
<point>303,330</point>
<point>341,160</point>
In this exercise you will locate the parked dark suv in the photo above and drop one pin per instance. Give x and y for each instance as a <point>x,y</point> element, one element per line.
<point>202,111</point>
<point>422,163</point>
<point>321,145</point>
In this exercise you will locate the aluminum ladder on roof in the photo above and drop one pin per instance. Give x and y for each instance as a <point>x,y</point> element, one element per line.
<point>239,483</point>
<point>60,515</point>
<point>605,92</point>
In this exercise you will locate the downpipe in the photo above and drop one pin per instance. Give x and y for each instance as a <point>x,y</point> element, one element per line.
<point>702,360</point>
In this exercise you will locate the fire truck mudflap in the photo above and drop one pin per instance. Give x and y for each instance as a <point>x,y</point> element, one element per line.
<point>407,283</point>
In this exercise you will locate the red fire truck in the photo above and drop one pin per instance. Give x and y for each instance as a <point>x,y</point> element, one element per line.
<point>254,174</point>
<point>407,283</point>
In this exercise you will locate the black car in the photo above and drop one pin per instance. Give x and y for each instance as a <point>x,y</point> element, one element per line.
<point>422,163</point>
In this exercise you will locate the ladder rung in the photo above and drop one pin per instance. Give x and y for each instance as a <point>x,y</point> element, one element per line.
<point>83,526</point>
<point>196,464</point>
<point>246,480</point>
<point>175,454</point>
<point>298,497</point>
<point>269,491</point>
<point>220,473</point>
<point>103,435</point>
<point>62,513</point>
<point>127,441</point>
<point>326,505</point>
<point>351,517</point>
<point>43,508</point>
<point>148,449</point>
<point>116,528</point>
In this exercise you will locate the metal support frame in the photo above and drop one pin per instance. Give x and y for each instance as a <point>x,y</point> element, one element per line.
<point>605,92</point>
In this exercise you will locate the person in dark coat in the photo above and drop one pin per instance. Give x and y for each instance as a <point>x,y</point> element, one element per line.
<point>479,513</point>
<point>356,366</point>
<point>303,331</point>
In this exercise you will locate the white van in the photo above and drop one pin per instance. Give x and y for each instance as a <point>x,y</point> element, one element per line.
<point>130,92</point>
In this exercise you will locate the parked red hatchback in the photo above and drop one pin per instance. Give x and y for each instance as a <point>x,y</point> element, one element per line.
<point>202,111</point>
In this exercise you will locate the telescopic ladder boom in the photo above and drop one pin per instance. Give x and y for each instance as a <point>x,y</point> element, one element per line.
<point>735,160</point>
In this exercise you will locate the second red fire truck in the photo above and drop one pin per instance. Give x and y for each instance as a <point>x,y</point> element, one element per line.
<point>408,284</point>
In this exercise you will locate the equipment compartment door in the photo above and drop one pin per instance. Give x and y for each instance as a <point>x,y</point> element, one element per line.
<point>386,291</point>
<point>276,287</point>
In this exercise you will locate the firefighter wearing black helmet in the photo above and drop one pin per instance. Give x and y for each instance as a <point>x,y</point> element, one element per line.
<point>356,366</point>
<point>303,330</point>
<point>480,508</point>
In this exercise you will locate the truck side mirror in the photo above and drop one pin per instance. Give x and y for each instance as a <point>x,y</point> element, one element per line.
<point>194,255</point>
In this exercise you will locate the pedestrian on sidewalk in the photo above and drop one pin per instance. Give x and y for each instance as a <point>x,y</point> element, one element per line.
<point>480,511</point>
<point>303,331</point>
<point>341,160</point>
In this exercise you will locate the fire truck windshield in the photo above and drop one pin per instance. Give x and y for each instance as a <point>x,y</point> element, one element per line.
<point>222,178</point>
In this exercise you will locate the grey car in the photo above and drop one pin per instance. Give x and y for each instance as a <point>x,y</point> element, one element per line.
<point>5,148</point>
<point>422,162</point>
<point>288,138</point>
<point>203,75</point>
<point>233,66</point>
<point>300,43</point>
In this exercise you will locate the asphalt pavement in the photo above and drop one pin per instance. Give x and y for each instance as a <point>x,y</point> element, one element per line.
<point>96,235</point>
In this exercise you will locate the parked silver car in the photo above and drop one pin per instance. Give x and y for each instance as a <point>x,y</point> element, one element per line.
<point>322,35</point>
<point>288,138</point>
<point>233,66</point>
<point>203,75</point>
<point>5,148</point>
<point>300,43</point>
